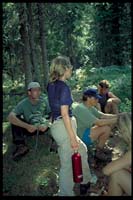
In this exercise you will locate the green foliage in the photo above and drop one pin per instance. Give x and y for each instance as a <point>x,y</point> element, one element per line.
<point>126,105</point>
<point>96,37</point>
<point>32,175</point>
<point>119,78</point>
<point>97,34</point>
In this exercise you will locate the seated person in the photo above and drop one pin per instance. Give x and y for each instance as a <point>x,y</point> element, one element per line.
<point>93,125</point>
<point>109,102</point>
<point>27,117</point>
<point>119,171</point>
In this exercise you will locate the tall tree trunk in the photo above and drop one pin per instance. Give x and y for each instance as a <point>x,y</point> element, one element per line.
<point>31,32</point>
<point>25,42</point>
<point>116,34</point>
<point>43,45</point>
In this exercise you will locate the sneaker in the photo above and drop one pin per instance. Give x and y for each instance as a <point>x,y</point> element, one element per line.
<point>20,151</point>
<point>84,188</point>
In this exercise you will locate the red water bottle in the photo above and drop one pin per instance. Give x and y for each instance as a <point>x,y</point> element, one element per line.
<point>77,167</point>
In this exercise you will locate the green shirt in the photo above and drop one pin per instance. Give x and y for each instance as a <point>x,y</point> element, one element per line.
<point>85,117</point>
<point>32,112</point>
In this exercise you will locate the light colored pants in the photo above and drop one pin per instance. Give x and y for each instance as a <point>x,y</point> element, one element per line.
<point>59,133</point>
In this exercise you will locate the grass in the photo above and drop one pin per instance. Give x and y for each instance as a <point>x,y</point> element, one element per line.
<point>34,175</point>
<point>37,173</point>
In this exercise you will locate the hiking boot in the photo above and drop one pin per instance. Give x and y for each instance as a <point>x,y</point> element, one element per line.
<point>101,155</point>
<point>53,150</point>
<point>107,151</point>
<point>84,188</point>
<point>20,151</point>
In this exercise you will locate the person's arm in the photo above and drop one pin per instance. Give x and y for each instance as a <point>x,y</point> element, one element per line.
<point>108,116</point>
<point>68,125</point>
<point>102,122</point>
<point>16,121</point>
<point>121,163</point>
<point>98,106</point>
<point>113,98</point>
<point>100,115</point>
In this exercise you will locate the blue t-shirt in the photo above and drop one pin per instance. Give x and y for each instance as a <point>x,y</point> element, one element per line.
<point>59,94</point>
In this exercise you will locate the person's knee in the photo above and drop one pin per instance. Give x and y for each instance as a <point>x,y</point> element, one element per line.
<point>107,129</point>
<point>115,176</point>
<point>108,107</point>
<point>109,104</point>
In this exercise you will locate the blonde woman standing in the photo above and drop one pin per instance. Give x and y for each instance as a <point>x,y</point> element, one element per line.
<point>64,127</point>
<point>120,169</point>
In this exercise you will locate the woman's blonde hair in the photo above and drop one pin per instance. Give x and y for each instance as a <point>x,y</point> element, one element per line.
<point>58,67</point>
<point>124,126</point>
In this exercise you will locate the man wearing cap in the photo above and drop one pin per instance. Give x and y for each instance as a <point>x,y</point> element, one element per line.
<point>93,125</point>
<point>24,117</point>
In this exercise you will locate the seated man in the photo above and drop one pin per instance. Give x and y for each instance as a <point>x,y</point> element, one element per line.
<point>109,102</point>
<point>28,116</point>
<point>93,125</point>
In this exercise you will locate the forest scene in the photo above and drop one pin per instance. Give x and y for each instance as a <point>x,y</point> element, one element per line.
<point>97,39</point>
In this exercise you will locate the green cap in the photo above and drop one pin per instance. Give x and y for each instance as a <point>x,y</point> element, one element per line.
<point>33,85</point>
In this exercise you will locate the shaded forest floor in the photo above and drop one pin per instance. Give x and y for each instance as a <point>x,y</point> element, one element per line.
<point>36,174</point>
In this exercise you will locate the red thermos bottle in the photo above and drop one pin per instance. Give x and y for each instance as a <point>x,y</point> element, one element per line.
<point>77,168</point>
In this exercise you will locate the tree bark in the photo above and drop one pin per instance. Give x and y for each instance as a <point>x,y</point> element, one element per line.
<point>116,34</point>
<point>41,18</point>
<point>25,42</point>
<point>31,32</point>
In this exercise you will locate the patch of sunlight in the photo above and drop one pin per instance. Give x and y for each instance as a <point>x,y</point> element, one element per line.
<point>91,86</point>
<point>117,153</point>
<point>79,71</point>
<point>5,126</point>
<point>75,104</point>
<point>16,83</point>
<point>4,148</point>
<point>47,181</point>
<point>94,87</point>
<point>93,69</point>
<point>45,176</point>
<point>78,87</point>
<point>5,86</point>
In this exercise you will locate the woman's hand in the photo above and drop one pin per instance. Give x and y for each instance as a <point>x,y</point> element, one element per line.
<point>75,143</point>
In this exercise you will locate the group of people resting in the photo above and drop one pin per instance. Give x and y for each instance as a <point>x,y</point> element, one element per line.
<point>74,129</point>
